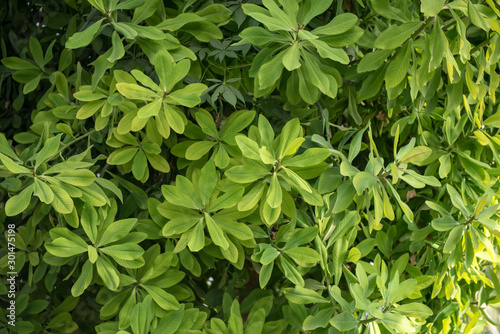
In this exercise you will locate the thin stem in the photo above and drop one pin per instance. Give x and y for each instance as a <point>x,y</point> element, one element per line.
<point>479,46</point>
<point>422,28</point>
<point>329,293</point>
<point>75,140</point>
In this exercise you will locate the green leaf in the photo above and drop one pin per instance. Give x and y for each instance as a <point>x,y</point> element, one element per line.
<point>135,92</point>
<point>127,31</point>
<point>145,11</point>
<point>345,196</point>
<point>108,273</point>
<point>398,67</point>
<point>296,181</point>
<point>87,95</point>
<point>279,14</point>
<point>398,322</point>
<point>107,184</point>
<point>247,173</point>
<point>158,162</point>
<point>207,181</point>
<point>319,320</point>
<point>236,123</point>
<point>217,235</point>
<point>92,251</point>
<point>215,13</point>
<point>265,274</point>
<point>300,295</point>
<point>150,109</point>
<point>122,156</point>
<point>49,149</point>
<point>89,222</point>
<point>18,203</point>
<point>84,38</point>
<point>235,323</point>
<point>316,7</point>
<point>262,15</point>
<point>89,109</point>
<point>147,32</point>
<point>431,7</point>
<point>62,202</point>
<point>351,36</point>
<point>230,198</point>
<point>118,50</point>
<point>291,272</point>
<point>62,232</point>
<point>417,155</point>
<point>371,85</point>
<point>266,156</point>
<point>269,255</point>
<point>170,322</point>
<point>197,238</point>
<point>454,239</point>
<point>291,58</point>
<point>477,18</point>
<point>415,310</point>
<point>384,8</point>
<point>404,290</point>
<point>300,237</point>
<point>36,51</point>
<point>83,280</point>
<point>312,156</point>
<point>179,21</point>
<point>362,302</point>
<point>79,177</point>
<point>250,200</point>
<point>126,251</point>
<point>116,231</point>
<point>293,146</point>
<point>165,300</point>
<point>344,321</point>
<point>31,85</point>
<point>260,36</point>
<point>203,31</point>
<point>325,51</point>
<point>304,256</point>
<point>129,4</point>
<point>373,60</point>
<point>271,71</point>
<point>185,98</point>
<point>179,225</point>
<point>445,223</point>
<point>43,191</point>
<point>274,195</point>
<point>140,317</point>
<point>340,24</point>
<point>175,118</point>
<point>207,124</point>
<point>140,165</point>
<point>248,147</point>
<point>12,166</point>
<point>199,149</point>
<point>176,197</point>
<point>395,36</point>
<point>62,247</point>
<point>406,209</point>
<point>6,149</point>
<point>290,132</point>
<point>363,180</point>
<point>18,64</point>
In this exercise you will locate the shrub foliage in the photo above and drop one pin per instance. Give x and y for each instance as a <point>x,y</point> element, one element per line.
<point>291,166</point>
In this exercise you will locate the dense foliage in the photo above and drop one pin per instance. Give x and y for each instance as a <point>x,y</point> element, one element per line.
<point>291,166</point>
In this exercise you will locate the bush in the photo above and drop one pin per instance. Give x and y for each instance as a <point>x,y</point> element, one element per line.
<point>249,166</point>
